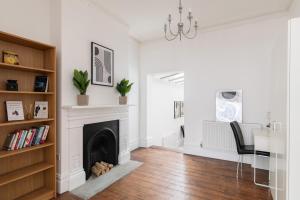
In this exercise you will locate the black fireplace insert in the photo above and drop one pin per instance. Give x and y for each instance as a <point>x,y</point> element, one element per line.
<point>100,143</point>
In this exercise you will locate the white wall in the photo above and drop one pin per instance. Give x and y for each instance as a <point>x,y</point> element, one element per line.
<point>82,23</point>
<point>133,97</point>
<point>294,110</point>
<point>161,97</point>
<point>295,9</point>
<point>278,108</point>
<point>234,57</point>
<point>30,18</point>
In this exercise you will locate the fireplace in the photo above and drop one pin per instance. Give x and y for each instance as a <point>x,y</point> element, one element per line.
<point>100,143</point>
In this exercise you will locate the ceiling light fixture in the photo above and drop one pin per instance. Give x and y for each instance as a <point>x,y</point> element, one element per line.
<point>170,35</point>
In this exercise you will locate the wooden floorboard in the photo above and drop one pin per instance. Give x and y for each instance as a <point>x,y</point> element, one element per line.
<point>174,176</point>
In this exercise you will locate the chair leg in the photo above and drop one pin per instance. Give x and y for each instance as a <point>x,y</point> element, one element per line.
<point>242,165</point>
<point>237,167</point>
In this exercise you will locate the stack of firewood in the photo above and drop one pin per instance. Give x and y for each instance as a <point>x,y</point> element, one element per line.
<point>101,168</point>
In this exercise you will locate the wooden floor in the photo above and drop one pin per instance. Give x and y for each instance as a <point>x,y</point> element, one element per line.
<point>170,175</point>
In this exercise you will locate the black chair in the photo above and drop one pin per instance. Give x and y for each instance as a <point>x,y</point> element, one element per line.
<point>182,130</point>
<point>243,149</point>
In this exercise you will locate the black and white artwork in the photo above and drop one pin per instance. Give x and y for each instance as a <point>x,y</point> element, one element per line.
<point>176,109</point>
<point>181,109</point>
<point>229,105</point>
<point>102,65</point>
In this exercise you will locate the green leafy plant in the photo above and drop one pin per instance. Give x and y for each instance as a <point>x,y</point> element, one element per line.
<point>81,81</point>
<point>124,87</point>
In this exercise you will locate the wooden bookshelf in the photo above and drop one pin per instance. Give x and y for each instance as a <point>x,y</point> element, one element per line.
<point>23,172</point>
<point>4,153</point>
<point>24,68</point>
<point>24,122</point>
<point>28,173</point>
<point>39,194</point>
<point>25,92</point>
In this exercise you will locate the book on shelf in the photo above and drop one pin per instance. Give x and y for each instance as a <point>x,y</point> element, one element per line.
<point>39,135</point>
<point>41,84</point>
<point>8,141</point>
<point>26,138</point>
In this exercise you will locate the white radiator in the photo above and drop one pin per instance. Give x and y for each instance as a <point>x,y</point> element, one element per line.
<point>219,135</point>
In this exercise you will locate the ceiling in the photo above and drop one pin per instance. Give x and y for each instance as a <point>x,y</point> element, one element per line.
<point>146,18</point>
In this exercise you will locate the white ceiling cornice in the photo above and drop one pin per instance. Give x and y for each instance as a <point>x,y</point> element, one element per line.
<point>145,19</point>
<point>233,24</point>
<point>110,14</point>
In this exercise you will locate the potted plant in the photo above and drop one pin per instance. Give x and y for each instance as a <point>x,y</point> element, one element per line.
<point>123,88</point>
<point>81,82</point>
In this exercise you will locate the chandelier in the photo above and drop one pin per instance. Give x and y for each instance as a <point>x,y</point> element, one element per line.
<point>171,35</point>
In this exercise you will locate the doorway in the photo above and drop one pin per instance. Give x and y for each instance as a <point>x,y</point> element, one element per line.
<point>166,109</point>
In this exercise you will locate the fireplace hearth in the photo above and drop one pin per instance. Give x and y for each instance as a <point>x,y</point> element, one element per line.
<point>100,143</point>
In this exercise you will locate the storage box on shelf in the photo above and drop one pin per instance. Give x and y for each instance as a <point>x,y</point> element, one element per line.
<point>28,173</point>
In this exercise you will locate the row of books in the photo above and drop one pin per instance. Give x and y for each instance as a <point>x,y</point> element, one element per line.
<point>26,138</point>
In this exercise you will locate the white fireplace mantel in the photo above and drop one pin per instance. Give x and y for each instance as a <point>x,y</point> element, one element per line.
<point>75,107</point>
<point>70,151</point>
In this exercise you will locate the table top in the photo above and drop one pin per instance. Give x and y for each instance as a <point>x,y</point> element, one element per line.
<point>262,139</point>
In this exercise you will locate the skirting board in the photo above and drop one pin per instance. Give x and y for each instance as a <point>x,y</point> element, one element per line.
<point>124,157</point>
<point>262,163</point>
<point>68,183</point>
<point>134,144</point>
<point>146,142</point>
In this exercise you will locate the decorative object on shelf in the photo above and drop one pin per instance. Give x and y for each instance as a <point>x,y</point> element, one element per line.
<point>12,85</point>
<point>14,110</point>
<point>188,33</point>
<point>26,138</point>
<point>41,110</point>
<point>229,105</point>
<point>41,84</point>
<point>81,82</point>
<point>102,65</point>
<point>10,57</point>
<point>29,111</point>
<point>123,88</point>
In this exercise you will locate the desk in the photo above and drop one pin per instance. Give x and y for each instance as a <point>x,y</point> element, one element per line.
<point>263,139</point>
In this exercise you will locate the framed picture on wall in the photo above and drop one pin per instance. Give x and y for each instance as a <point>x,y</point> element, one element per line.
<point>229,105</point>
<point>176,109</point>
<point>181,109</point>
<point>102,65</point>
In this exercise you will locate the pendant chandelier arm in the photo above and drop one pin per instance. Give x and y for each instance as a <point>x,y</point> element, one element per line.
<point>171,32</point>
<point>170,39</point>
<point>189,30</point>
<point>191,37</point>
